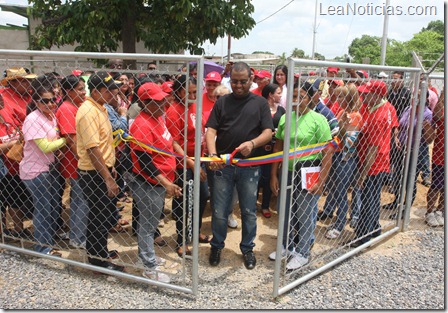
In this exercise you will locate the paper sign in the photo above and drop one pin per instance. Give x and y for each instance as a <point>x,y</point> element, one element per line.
<point>310,176</point>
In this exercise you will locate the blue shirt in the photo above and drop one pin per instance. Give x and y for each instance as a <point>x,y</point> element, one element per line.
<point>117,121</point>
<point>331,119</point>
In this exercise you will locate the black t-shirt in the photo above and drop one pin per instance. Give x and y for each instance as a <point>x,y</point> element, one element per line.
<point>237,120</point>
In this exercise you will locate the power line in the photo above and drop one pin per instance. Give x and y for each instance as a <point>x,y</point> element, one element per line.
<point>275,12</point>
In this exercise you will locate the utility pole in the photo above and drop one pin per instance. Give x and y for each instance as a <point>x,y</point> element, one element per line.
<point>314,32</point>
<point>384,39</point>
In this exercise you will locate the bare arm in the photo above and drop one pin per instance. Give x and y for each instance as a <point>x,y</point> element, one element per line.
<point>246,147</point>
<point>275,185</point>
<point>372,152</point>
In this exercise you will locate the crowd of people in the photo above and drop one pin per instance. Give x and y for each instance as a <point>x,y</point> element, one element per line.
<point>65,126</point>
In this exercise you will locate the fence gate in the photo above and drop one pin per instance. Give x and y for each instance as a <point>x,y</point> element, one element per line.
<point>52,226</point>
<point>320,232</point>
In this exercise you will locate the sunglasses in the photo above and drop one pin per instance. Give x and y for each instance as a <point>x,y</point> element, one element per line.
<point>48,100</point>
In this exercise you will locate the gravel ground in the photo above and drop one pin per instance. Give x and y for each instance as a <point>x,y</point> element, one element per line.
<point>405,272</point>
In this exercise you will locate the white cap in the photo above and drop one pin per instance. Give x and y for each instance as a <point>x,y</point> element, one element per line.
<point>382,75</point>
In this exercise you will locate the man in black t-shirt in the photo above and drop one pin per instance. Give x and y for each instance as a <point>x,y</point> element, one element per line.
<point>239,121</point>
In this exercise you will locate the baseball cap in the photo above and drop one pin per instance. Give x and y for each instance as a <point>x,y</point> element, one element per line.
<point>263,74</point>
<point>167,87</point>
<point>382,75</point>
<point>312,73</point>
<point>375,86</point>
<point>318,85</point>
<point>333,69</point>
<point>102,79</point>
<point>362,74</point>
<point>336,82</point>
<point>151,91</point>
<point>213,77</point>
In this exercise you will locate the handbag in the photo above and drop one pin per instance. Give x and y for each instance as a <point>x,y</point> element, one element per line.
<point>15,153</point>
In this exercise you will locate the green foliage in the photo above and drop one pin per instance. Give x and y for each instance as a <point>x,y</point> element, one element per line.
<point>163,25</point>
<point>262,52</point>
<point>366,46</point>
<point>282,59</point>
<point>318,56</point>
<point>437,26</point>
<point>298,53</point>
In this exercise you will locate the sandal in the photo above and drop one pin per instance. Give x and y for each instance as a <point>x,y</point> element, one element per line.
<point>180,251</point>
<point>118,229</point>
<point>123,222</point>
<point>266,213</point>
<point>160,241</point>
<point>113,254</point>
<point>204,238</point>
<point>54,252</point>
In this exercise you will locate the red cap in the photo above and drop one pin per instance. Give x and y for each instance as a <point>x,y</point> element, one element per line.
<point>151,91</point>
<point>312,73</point>
<point>166,87</point>
<point>297,75</point>
<point>336,82</point>
<point>375,86</point>
<point>213,77</point>
<point>263,74</point>
<point>364,73</point>
<point>333,69</point>
<point>77,72</point>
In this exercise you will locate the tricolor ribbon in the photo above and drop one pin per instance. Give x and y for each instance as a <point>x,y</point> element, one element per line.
<point>229,159</point>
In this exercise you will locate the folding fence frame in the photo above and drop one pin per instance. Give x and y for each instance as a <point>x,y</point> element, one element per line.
<point>282,280</point>
<point>75,60</point>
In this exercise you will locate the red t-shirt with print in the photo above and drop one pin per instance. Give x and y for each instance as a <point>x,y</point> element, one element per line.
<point>66,117</point>
<point>376,131</point>
<point>175,122</point>
<point>152,132</point>
<point>9,132</point>
<point>207,106</point>
<point>16,105</point>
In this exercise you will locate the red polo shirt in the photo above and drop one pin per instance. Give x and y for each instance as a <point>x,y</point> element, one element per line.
<point>66,117</point>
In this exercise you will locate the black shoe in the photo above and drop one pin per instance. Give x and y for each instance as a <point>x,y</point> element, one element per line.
<point>390,206</point>
<point>215,256</point>
<point>249,260</point>
<point>321,216</point>
<point>113,254</point>
<point>354,243</point>
<point>110,266</point>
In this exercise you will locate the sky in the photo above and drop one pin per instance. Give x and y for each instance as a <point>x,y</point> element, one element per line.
<point>292,26</point>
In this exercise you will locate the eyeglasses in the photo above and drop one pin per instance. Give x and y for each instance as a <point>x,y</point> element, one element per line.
<point>48,100</point>
<point>236,81</point>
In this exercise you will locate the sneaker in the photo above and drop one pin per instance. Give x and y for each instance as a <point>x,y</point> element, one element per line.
<point>160,261</point>
<point>154,274</point>
<point>354,222</point>
<point>426,182</point>
<point>332,233</point>
<point>231,221</point>
<point>273,255</point>
<point>440,218</point>
<point>76,245</point>
<point>296,262</point>
<point>431,219</point>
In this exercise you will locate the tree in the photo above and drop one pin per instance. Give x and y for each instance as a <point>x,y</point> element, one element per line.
<point>398,54</point>
<point>298,53</point>
<point>262,52</point>
<point>427,44</point>
<point>437,26</point>
<point>366,46</point>
<point>163,25</point>
<point>318,56</point>
<point>282,59</point>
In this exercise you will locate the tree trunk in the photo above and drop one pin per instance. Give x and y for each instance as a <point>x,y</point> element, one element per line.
<point>128,33</point>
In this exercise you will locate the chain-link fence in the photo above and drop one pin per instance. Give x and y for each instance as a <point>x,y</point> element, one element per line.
<point>133,206</point>
<point>351,195</point>
<point>72,193</point>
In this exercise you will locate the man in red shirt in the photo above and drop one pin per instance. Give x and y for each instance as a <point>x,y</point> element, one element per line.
<point>212,80</point>
<point>261,78</point>
<point>16,95</point>
<point>374,161</point>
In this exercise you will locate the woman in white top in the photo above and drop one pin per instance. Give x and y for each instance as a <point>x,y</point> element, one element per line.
<point>281,79</point>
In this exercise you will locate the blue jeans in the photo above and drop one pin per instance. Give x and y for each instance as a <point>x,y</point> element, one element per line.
<point>423,161</point>
<point>42,189</point>
<point>246,181</point>
<point>150,200</point>
<point>301,216</point>
<point>369,215</point>
<point>341,177</point>
<point>355,205</point>
<point>79,211</point>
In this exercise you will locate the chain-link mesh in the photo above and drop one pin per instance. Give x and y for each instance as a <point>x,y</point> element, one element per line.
<point>363,195</point>
<point>69,190</point>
